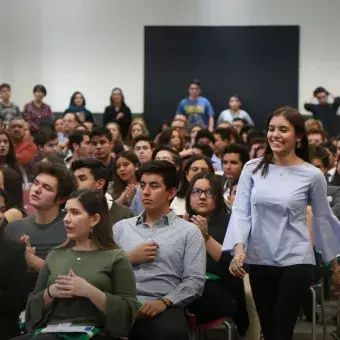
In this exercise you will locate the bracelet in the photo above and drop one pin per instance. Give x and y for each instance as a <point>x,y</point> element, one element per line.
<point>167,304</point>
<point>48,293</point>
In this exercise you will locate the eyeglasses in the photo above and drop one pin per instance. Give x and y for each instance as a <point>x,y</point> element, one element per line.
<point>209,193</point>
<point>196,169</point>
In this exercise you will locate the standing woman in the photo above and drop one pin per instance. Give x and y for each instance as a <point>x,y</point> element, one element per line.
<point>13,278</point>
<point>78,106</point>
<point>118,111</point>
<point>126,181</point>
<point>86,281</point>
<point>36,112</point>
<point>268,228</point>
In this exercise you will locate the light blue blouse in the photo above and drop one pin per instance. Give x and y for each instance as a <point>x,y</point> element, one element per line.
<point>269,216</point>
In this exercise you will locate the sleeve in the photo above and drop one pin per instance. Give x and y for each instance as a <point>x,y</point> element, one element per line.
<point>116,230</point>
<point>193,278</point>
<point>325,225</point>
<point>106,116</point>
<point>248,118</point>
<point>28,118</point>
<point>310,107</point>
<point>210,110</point>
<point>89,117</point>
<point>17,111</point>
<point>14,293</point>
<point>27,154</point>
<point>336,104</point>
<point>180,109</point>
<point>240,221</point>
<point>36,312</point>
<point>336,202</point>
<point>121,305</point>
<point>220,118</point>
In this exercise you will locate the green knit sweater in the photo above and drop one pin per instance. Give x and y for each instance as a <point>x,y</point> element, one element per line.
<point>110,271</point>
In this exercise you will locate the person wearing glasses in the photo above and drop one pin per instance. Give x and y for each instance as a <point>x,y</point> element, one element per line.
<point>194,165</point>
<point>223,294</point>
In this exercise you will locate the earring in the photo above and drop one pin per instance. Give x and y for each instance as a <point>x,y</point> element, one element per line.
<point>90,237</point>
<point>298,144</point>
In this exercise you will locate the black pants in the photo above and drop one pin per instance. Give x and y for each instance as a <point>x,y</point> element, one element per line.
<point>216,302</point>
<point>278,294</point>
<point>169,325</point>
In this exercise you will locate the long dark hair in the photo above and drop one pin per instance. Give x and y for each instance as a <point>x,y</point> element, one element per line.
<point>166,135</point>
<point>73,97</point>
<point>119,184</point>
<point>94,202</point>
<point>122,104</point>
<point>11,159</point>
<point>295,118</point>
<point>184,183</point>
<point>13,188</point>
<point>216,188</point>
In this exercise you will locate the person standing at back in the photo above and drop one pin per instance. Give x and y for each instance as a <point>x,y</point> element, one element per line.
<point>268,228</point>
<point>45,230</point>
<point>198,110</point>
<point>118,111</point>
<point>8,110</point>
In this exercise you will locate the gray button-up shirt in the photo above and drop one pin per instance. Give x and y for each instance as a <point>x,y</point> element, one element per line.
<point>178,273</point>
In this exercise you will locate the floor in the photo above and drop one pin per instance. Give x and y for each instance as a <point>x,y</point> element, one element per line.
<point>302,330</point>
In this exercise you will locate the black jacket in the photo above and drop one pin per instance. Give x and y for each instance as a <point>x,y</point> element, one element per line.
<point>13,285</point>
<point>110,115</point>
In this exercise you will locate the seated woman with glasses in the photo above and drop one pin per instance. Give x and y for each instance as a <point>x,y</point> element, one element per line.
<point>87,281</point>
<point>193,166</point>
<point>223,294</point>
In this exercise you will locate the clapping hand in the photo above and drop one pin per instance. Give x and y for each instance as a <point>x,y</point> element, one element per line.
<point>29,253</point>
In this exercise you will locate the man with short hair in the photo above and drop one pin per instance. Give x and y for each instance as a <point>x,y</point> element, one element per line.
<point>24,149</point>
<point>46,141</point>
<point>45,230</point>
<point>93,174</point>
<point>197,109</point>
<point>70,123</point>
<point>79,145</point>
<point>142,147</point>
<point>233,160</point>
<point>102,144</point>
<point>316,137</point>
<point>8,110</point>
<point>167,254</point>
<point>239,123</point>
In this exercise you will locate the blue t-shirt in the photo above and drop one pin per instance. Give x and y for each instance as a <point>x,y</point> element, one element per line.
<point>197,111</point>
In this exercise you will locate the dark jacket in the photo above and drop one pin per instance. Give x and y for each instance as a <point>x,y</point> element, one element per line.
<point>110,115</point>
<point>333,195</point>
<point>13,285</point>
<point>76,109</point>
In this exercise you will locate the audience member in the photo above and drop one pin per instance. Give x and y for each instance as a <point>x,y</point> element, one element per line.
<point>235,156</point>
<point>59,125</point>
<point>81,127</point>
<point>193,133</point>
<point>78,107</point>
<point>10,183</point>
<point>239,124</point>
<point>36,112</point>
<point>80,146</point>
<point>206,208</point>
<point>194,165</point>
<point>118,145</point>
<point>234,111</point>
<point>118,111</point>
<point>316,137</point>
<point>93,175</point>
<point>102,144</point>
<point>126,181</point>
<point>13,280</point>
<point>172,138</point>
<point>8,110</point>
<point>8,157</point>
<point>202,149</point>
<point>244,133</point>
<point>70,290</point>
<point>255,144</point>
<point>137,128</point>
<point>24,150</point>
<point>169,275</point>
<point>142,147</point>
<point>198,110</point>
<point>167,153</point>
<point>70,123</point>
<point>313,124</point>
<point>45,230</point>
<point>89,126</point>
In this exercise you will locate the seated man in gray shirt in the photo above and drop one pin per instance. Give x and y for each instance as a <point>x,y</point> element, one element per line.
<point>168,257</point>
<point>45,230</point>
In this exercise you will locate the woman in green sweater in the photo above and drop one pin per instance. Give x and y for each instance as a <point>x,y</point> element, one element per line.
<point>87,281</point>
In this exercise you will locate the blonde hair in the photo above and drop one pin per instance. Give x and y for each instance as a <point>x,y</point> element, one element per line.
<point>141,123</point>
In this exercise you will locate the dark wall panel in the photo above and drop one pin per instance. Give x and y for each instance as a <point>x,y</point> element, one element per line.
<point>260,63</point>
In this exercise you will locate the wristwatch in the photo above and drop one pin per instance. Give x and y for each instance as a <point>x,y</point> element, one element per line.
<point>206,237</point>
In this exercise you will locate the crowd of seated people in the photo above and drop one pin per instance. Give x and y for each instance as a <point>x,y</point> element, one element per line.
<point>108,228</point>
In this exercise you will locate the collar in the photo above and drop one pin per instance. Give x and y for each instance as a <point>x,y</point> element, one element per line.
<point>165,219</point>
